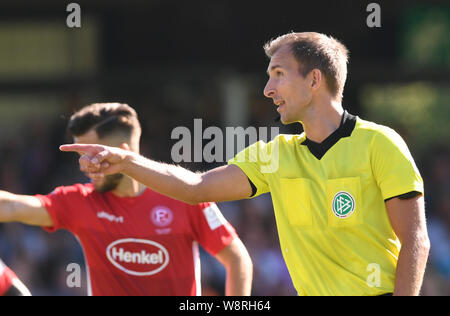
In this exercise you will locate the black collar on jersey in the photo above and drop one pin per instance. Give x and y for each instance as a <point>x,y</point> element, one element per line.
<point>346,128</point>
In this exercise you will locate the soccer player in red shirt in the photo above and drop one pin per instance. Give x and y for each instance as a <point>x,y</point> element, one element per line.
<point>136,241</point>
<point>10,285</point>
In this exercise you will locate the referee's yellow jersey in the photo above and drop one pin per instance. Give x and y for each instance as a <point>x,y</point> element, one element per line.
<point>329,202</point>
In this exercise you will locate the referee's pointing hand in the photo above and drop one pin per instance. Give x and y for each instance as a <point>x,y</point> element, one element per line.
<point>98,159</point>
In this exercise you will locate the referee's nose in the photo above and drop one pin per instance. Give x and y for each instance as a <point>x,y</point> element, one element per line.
<point>269,89</point>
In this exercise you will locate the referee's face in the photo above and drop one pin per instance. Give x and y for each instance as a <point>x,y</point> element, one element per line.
<point>286,86</point>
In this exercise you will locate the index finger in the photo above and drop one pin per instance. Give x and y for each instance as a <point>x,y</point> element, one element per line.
<point>90,149</point>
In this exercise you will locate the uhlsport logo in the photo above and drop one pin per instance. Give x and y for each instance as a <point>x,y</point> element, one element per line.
<point>343,204</point>
<point>138,257</point>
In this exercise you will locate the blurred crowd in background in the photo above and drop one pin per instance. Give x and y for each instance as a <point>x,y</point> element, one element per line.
<point>30,163</point>
<point>175,62</point>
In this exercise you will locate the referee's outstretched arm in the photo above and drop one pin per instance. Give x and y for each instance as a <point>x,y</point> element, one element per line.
<point>225,183</point>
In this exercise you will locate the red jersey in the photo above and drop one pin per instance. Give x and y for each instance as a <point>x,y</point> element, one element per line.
<point>6,278</point>
<point>144,245</point>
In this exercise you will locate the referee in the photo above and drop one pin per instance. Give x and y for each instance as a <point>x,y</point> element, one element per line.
<point>347,195</point>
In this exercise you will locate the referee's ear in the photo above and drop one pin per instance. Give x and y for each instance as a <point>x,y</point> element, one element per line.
<point>316,79</point>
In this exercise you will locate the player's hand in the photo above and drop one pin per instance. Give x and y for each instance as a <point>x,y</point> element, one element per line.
<point>98,160</point>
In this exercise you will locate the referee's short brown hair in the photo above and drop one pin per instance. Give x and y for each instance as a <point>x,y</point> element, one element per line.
<point>316,51</point>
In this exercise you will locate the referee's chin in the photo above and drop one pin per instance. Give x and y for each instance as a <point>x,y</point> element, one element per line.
<point>280,119</point>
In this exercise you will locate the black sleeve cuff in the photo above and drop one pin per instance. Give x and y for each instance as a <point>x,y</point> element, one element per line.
<point>405,196</point>
<point>253,187</point>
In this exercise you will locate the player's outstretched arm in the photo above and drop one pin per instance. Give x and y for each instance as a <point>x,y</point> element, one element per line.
<point>24,209</point>
<point>224,183</point>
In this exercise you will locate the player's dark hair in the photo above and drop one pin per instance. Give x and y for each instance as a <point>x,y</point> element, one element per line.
<point>316,51</point>
<point>106,119</point>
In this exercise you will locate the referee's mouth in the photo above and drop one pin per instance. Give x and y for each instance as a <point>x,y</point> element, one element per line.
<point>279,103</point>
